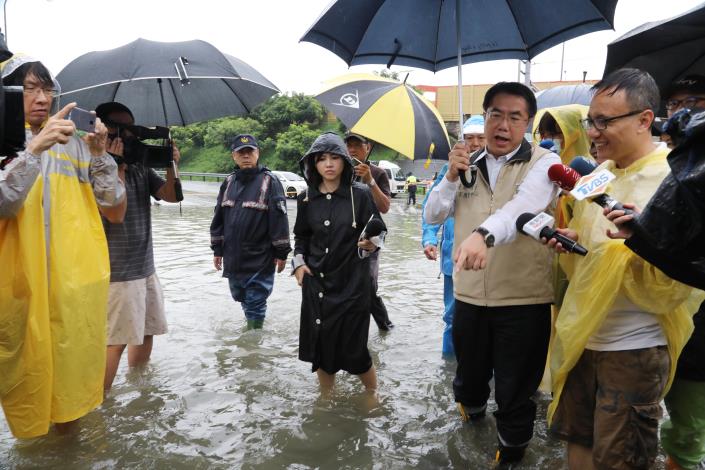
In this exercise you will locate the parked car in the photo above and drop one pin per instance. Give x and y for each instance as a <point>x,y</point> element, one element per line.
<point>293,184</point>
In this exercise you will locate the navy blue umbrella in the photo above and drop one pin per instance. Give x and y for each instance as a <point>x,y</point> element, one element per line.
<point>437,34</point>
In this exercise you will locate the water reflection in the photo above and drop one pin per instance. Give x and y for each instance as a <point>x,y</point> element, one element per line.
<point>216,396</point>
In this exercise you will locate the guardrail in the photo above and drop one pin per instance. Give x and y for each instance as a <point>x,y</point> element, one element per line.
<point>191,175</point>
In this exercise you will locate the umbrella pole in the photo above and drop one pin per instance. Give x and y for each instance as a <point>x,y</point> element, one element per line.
<point>473,168</point>
<point>177,181</point>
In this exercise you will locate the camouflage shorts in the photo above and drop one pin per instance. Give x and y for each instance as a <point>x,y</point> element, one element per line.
<point>610,403</point>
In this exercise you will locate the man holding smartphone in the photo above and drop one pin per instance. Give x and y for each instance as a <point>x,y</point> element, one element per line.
<point>378,182</point>
<point>136,301</point>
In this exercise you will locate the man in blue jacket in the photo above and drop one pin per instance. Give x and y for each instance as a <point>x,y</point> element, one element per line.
<point>250,230</point>
<point>474,136</point>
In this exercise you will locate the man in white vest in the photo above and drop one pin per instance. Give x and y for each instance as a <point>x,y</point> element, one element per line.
<point>502,281</point>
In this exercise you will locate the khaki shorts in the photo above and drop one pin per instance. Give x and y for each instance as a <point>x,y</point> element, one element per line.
<point>610,403</point>
<point>135,310</point>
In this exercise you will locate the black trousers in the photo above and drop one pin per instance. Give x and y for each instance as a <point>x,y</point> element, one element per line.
<point>510,343</point>
<point>377,307</point>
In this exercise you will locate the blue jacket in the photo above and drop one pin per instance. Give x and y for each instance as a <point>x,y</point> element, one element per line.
<point>430,231</point>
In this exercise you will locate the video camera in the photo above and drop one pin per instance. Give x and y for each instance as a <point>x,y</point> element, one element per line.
<point>136,151</point>
<point>687,123</point>
<point>12,133</point>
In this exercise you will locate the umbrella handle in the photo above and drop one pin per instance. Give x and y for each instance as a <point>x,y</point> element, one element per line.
<point>473,177</point>
<point>178,191</point>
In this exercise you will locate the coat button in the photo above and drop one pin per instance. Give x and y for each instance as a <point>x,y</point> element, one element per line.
<point>326,223</point>
<point>318,321</point>
<point>320,295</point>
<point>321,274</point>
<point>326,250</point>
<point>328,196</point>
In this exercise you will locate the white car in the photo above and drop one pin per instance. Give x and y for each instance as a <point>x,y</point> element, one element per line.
<point>293,184</point>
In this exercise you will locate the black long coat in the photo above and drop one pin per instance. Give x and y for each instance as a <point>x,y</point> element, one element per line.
<point>335,307</point>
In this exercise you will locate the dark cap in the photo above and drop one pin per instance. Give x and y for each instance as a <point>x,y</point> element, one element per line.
<point>244,141</point>
<point>689,84</point>
<point>104,109</point>
<point>351,135</point>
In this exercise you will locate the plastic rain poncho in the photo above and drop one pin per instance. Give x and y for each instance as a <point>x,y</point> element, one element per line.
<point>610,269</point>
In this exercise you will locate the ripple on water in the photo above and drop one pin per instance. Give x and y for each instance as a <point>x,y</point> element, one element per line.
<point>217,396</point>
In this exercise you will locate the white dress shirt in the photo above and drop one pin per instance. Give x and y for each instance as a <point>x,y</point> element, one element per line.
<point>534,195</point>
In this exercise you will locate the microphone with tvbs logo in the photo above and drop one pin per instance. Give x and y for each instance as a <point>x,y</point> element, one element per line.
<point>591,186</point>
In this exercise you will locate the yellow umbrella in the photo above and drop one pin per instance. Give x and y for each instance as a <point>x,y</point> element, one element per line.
<point>389,112</point>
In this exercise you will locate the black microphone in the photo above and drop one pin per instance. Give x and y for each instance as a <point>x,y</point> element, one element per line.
<point>373,228</point>
<point>540,226</point>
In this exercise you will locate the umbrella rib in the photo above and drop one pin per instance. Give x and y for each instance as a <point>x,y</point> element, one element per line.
<point>178,106</point>
<point>338,44</point>
<point>691,63</point>
<point>562,31</point>
<point>238,96</point>
<point>438,31</point>
<point>420,59</point>
<point>168,78</point>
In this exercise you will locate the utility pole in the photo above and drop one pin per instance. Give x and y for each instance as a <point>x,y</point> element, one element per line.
<point>562,57</point>
<point>527,73</point>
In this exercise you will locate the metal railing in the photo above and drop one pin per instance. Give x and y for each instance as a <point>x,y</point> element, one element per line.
<point>191,175</point>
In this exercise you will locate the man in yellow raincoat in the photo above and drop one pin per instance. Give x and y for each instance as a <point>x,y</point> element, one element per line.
<point>623,322</point>
<point>54,286</point>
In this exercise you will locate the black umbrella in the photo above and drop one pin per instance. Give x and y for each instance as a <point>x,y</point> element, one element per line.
<point>669,49</point>
<point>437,34</point>
<point>166,83</point>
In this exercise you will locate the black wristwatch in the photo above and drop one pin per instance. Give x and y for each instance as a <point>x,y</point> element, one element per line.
<point>486,235</point>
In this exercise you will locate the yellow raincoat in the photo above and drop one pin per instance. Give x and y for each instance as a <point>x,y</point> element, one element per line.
<point>575,140</point>
<point>53,295</point>
<point>610,269</point>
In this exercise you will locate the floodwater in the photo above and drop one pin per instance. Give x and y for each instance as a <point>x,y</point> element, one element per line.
<point>216,396</point>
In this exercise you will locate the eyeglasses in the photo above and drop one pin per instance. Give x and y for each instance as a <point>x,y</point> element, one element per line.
<point>688,102</point>
<point>601,123</point>
<point>34,91</point>
<point>496,117</point>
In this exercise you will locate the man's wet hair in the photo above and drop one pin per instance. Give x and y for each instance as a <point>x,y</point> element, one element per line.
<point>639,87</point>
<point>511,88</point>
<point>37,69</point>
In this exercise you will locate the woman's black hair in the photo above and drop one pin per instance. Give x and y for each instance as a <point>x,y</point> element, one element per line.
<point>548,125</point>
<point>16,78</point>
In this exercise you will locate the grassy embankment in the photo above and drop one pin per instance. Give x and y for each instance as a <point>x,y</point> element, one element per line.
<point>209,159</point>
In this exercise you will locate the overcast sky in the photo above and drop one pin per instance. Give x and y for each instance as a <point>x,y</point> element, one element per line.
<point>266,33</point>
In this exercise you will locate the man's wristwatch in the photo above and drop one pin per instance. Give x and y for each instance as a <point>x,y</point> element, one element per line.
<point>372,183</point>
<point>486,235</point>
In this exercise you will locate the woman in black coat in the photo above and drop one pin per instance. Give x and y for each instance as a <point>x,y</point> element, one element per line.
<point>331,264</point>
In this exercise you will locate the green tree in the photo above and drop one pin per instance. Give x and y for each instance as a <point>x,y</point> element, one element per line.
<point>386,73</point>
<point>290,146</point>
<point>280,111</point>
<point>221,132</point>
<point>189,136</point>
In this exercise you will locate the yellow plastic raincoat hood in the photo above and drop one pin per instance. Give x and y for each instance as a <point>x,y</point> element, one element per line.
<point>576,142</point>
<point>610,269</point>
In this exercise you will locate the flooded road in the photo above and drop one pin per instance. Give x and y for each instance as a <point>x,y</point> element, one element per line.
<point>218,397</point>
